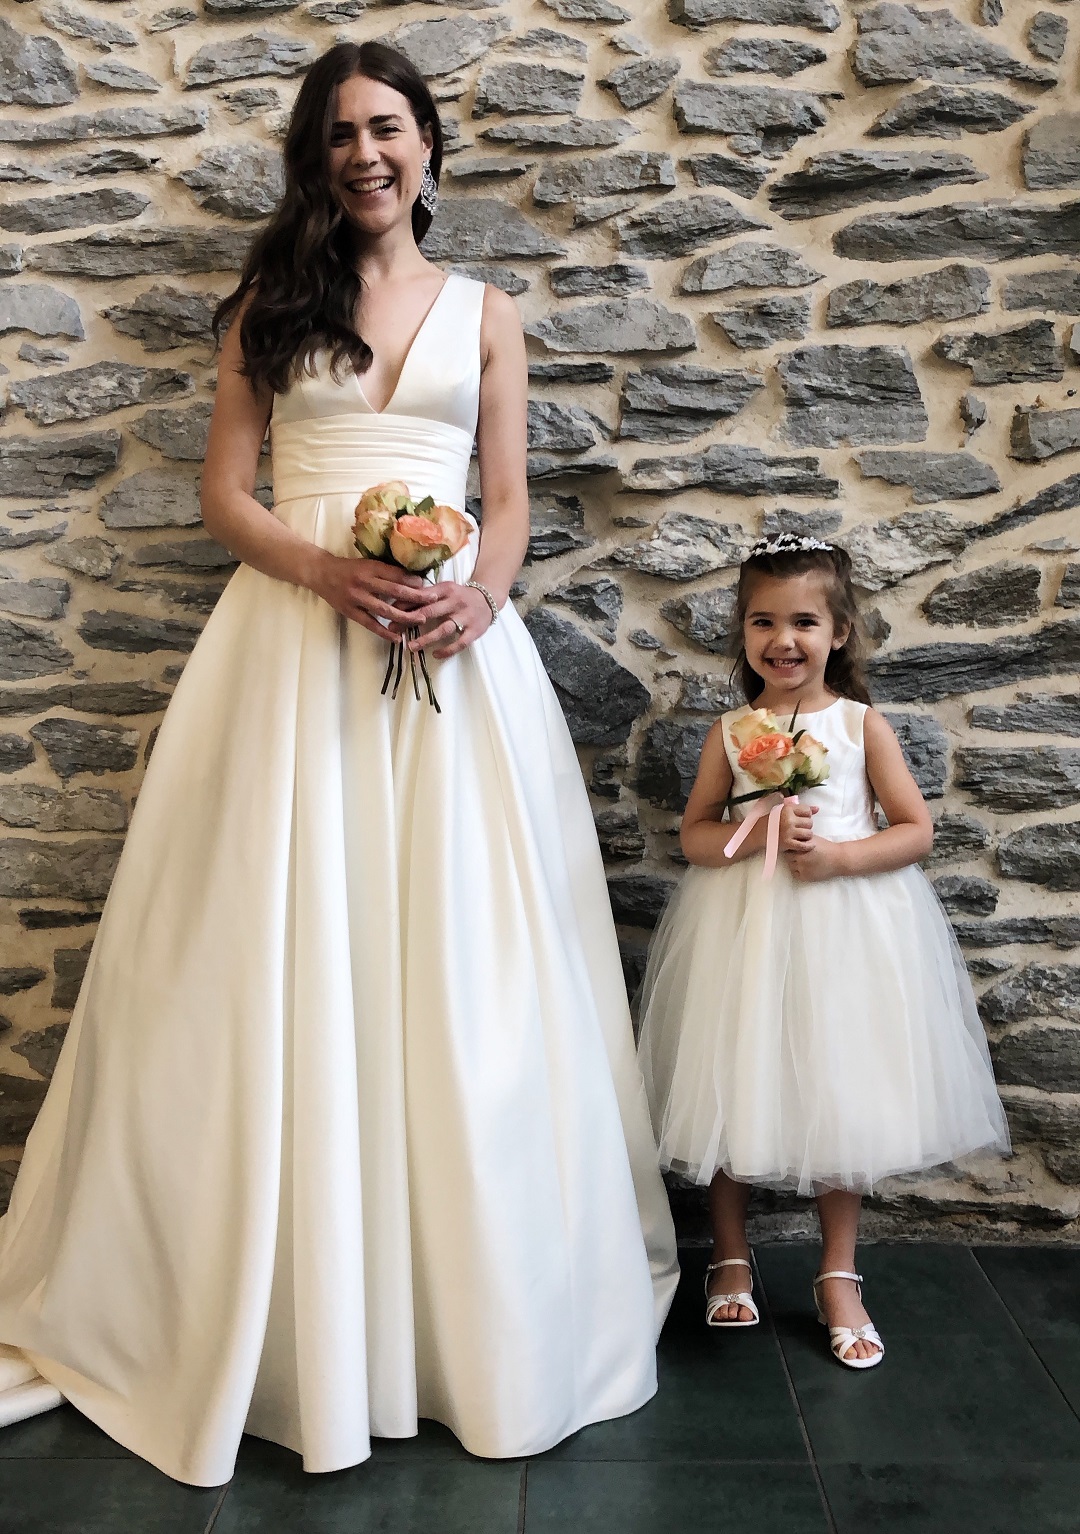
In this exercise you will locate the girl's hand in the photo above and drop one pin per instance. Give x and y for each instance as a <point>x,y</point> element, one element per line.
<point>816,862</point>
<point>797,827</point>
<point>365,590</point>
<point>456,616</point>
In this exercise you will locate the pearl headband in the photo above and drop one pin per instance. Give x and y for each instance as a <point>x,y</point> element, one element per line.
<point>788,543</point>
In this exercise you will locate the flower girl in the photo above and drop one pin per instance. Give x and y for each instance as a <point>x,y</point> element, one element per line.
<point>807,1021</point>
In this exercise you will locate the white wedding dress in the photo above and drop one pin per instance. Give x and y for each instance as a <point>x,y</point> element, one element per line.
<point>348,1127</point>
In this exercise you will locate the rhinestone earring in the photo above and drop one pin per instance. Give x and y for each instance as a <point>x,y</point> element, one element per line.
<point>429,189</point>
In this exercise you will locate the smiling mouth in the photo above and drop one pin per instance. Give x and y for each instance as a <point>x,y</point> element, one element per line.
<point>371,186</point>
<point>785,663</point>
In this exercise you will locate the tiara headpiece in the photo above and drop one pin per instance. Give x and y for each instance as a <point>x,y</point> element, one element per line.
<point>788,543</point>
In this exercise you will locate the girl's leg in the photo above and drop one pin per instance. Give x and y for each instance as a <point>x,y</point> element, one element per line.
<point>839,1215</point>
<point>727,1209</point>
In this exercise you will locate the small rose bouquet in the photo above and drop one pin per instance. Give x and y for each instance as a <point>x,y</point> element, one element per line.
<point>782,761</point>
<point>418,536</point>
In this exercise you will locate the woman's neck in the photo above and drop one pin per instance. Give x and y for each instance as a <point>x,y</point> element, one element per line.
<point>392,255</point>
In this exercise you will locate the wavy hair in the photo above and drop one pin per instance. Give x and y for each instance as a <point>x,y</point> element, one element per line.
<point>299,282</point>
<point>845,670</point>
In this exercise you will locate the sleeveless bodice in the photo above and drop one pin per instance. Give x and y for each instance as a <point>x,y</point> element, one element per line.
<point>845,802</point>
<point>326,439</point>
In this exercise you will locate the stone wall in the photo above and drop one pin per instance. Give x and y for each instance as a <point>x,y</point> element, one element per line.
<point>782,263</point>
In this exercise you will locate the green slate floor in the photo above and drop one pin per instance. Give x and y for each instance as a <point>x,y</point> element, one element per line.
<point>971,1424</point>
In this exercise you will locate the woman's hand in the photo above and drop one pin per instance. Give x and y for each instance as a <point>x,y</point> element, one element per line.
<point>456,616</point>
<point>797,827</point>
<point>365,590</point>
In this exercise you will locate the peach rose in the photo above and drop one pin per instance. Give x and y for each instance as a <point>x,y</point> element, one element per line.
<point>417,543</point>
<point>756,722</point>
<point>812,760</point>
<point>456,529</point>
<point>375,513</point>
<point>768,759</point>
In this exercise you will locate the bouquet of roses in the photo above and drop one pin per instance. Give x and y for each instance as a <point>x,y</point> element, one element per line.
<point>784,762</point>
<point>418,536</point>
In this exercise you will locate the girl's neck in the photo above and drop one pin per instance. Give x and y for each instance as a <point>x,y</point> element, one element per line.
<point>810,700</point>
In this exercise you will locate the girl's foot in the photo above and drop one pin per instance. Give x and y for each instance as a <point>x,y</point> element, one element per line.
<point>840,1302</point>
<point>736,1274</point>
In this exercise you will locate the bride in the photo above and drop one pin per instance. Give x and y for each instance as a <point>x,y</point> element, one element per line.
<point>347,1129</point>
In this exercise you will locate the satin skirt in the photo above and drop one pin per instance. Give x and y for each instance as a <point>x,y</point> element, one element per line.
<point>812,1035</point>
<point>348,1127</point>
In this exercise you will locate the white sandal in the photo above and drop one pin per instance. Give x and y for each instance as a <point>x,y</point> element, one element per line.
<point>715,1302</point>
<point>841,1338</point>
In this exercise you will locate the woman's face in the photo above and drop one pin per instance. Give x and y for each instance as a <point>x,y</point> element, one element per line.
<point>377,154</point>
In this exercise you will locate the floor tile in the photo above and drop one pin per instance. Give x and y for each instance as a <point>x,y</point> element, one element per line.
<point>271,1492</point>
<point>977,1498</point>
<point>60,1434</point>
<point>657,1499</point>
<point>1061,1359</point>
<point>98,1497</point>
<point>1039,1284</point>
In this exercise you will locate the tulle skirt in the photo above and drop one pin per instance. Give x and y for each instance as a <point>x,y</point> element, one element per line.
<point>808,1035</point>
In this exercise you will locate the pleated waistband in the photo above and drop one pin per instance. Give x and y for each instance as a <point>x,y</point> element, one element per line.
<point>346,454</point>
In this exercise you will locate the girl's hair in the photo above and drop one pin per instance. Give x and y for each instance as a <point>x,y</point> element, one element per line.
<point>845,672</point>
<point>300,274</point>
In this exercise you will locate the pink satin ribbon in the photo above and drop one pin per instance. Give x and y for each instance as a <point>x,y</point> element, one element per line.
<point>771,806</point>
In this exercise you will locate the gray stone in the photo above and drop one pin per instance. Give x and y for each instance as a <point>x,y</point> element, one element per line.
<point>763,56</point>
<point>83,393</point>
<point>190,555</point>
<point>42,215</point>
<point>732,469</point>
<point>856,394</point>
<point>250,101</point>
<point>588,10</point>
<point>946,111</point>
<point>15,753</point>
<point>447,43</point>
<point>753,325</point>
<point>69,966</point>
<point>637,900</point>
<point>899,43</point>
<point>1061,931</point>
<point>557,526</point>
<point>704,617</point>
<point>39,597</point>
<point>143,252</point>
<point>34,807</point>
<point>1054,1124</point>
<point>991,12</point>
<point>925,673</point>
<point>1064,496</point>
<point>32,870</point>
<point>152,498</point>
<point>748,265</point>
<point>20,1101</point>
<point>631,170</point>
<point>669,759</point>
<point>84,698</point>
<point>34,71</point>
<point>765,118</point>
<point>1047,1058</point>
<point>239,180</point>
<point>679,226</point>
<point>843,178</point>
<point>985,231</point>
<point>958,836</point>
<point>1051,152</point>
<point>1034,778</point>
<point>926,750</point>
<point>10,259</point>
<point>949,293</point>
<point>46,919</point>
<point>19,977</point>
<point>570,372</point>
<point>485,229</point>
<point>245,58</point>
<point>725,170</point>
<point>1056,289</point>
<point>1036,990</point>
<point>548,40</point>
<point>597,209</point>
<point>111,122</point>
<point>559,427</point>
<point>122,77</point>
<point>1037,434</point>
<point>615,277</point>
<point>514,89</point>
<point>42,1047</point>
<point>963,895</point>
<point>31,535</point>
<point>165,317</point>
<point>818,15</point>
<point>635,85</point>
<point>134,635</point>
<point>1069,590</point>
<point>1040,713</point>
<point>707,693</point>
<point>549,465</point>
<point>486,167</point>
<point>1046,35</point>
<point>675,402</point>
<point>574,133</point>
<point>39,466</point>
<point>175,433</point>
<point>599,698</point>
<point>616,325</point>
<point>599,602</point>
<point>618,831</point>
<point>815,524</point>
<point>39,309</point>
<point>684,547</point>
<point>1044,854</point>
<point>1003,593</point>
<point>1030,351</point>
<point>42,356</point>
<point>888,551</point>
<point>73,746</point>
<point>170,18</point>
<point>503,277</point>
<point>932,476</point>
<point>90,162</point>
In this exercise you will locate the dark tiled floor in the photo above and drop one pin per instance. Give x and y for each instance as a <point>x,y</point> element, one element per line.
<point>972,1424</point>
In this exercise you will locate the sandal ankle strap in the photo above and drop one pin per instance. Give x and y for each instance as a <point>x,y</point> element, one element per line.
<point>856,1278</point>
<point>730,1262</point>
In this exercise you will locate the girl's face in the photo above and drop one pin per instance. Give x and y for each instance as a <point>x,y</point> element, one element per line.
<point>377,154</point>
<point>788,633</point>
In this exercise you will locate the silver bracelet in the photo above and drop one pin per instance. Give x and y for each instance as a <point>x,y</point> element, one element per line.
<point>488,598</point>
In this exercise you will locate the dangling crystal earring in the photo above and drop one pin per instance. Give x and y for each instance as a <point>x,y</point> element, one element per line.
<point>429,189</point>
